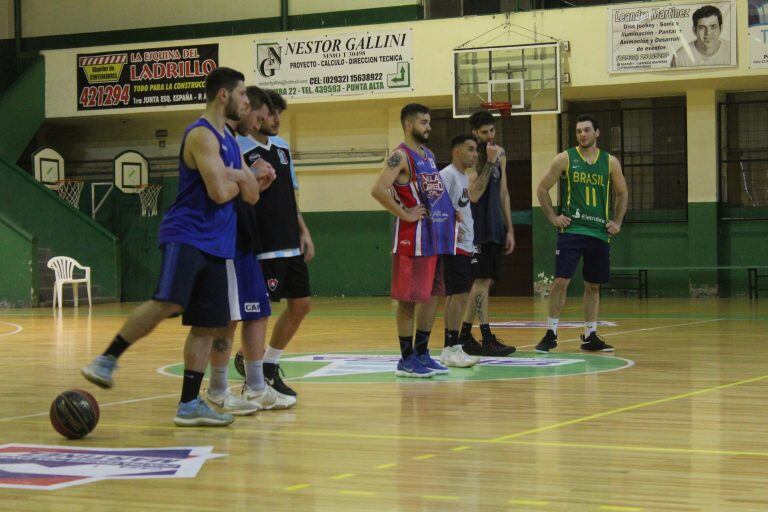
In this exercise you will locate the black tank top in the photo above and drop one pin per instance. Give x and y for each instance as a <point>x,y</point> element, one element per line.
<point>487,213</point>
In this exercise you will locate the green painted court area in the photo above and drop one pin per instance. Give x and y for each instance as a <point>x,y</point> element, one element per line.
<point>379,367</point>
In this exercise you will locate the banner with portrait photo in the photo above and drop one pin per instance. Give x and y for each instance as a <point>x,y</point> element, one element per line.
<point>673,36</point>
<point>758,33</point>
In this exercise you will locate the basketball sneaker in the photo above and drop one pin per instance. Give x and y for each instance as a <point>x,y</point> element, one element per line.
<point>272,377</point>
<point>411,367</point>
<point>495,348</point>
<point>100,370</point>
<point>547,343</point>
<point>268,399</point>
<point>593,343</point>
<point>472,347</point>
<point>196,413</point>
<point>430,364</point>
<point>240,363</point>
<point>456,357</point>
<point>231,403</point>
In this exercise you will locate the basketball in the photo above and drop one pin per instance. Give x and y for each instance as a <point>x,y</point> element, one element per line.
<point>240,363</point>
<point>74,413</point>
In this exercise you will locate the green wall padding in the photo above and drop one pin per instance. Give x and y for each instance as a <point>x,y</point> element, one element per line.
<point>18,272</point>
<point>22,111</point>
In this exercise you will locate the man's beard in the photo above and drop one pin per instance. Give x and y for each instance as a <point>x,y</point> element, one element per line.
<point>588,144</point>
<point>231,112</point>
<point>423,138</point>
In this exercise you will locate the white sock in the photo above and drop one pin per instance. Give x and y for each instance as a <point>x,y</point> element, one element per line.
<point>589,328</point>
<point>552,324</point>
<point>218,381</point>
<point>254,375</point>
<point>272,355</point>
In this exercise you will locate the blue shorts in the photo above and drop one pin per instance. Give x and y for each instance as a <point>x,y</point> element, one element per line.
<point>196,281</point>
<point>596,254</point>
<point>248,297</point>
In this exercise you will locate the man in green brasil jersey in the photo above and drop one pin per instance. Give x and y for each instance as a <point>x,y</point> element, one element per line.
<point>587,176</point>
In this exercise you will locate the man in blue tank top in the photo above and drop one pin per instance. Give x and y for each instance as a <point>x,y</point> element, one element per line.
<point>197,236</point>
<point>493,231</point>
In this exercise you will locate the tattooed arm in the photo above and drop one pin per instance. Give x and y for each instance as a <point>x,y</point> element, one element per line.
<point>478,179</point>
<point>395,169</point>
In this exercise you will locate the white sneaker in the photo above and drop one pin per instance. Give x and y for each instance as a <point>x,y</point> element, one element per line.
<point>456,357</point>
<point>268,399</point>
<point>231,403</point>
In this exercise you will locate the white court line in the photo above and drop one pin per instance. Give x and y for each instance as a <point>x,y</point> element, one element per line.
<point>635,330</point>
<point>17,326</point>
<point>160,370</point>
<point>122,402</point>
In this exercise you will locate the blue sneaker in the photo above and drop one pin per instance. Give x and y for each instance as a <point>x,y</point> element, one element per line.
<point>100,371</point>
<point>196,413</point>
<point>411,367</point>
<point>430,364</point>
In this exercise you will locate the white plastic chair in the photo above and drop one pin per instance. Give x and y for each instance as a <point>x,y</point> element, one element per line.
<point>63,267</point>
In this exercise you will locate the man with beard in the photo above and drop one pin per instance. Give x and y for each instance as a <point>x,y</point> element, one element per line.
<point>285,244</point>
<point>586,176</point>
<point>425,228</point>
<point>493,232</point>
<point>196,236</point>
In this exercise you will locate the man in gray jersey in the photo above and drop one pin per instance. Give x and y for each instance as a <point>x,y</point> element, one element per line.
<point>457,272</point>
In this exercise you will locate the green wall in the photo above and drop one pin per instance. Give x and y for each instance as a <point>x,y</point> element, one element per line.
<point>57,226</point>
<point>18,273</point>
<point>22,111</point>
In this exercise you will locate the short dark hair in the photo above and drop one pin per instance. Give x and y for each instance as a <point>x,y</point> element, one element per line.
<point>460,139</point>
<point>258,97</point>
<point>411,110</point>
<point>706,12</point>
<point>480,119</point>
<point>221,78</point>
<point>583,118</point>
<point>278,102</point>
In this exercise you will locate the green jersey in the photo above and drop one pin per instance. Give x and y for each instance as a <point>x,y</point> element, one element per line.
<point>585,192</point>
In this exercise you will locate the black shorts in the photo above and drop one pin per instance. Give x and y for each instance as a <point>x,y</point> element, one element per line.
<point>196,281</point>
<point>596,254</point>
<point>286,278</point>
<point>486,262</point>
<point>457,273</point>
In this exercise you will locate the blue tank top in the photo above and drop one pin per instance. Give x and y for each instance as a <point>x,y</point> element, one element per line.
<point>441,231</point>
<point>194,218</point>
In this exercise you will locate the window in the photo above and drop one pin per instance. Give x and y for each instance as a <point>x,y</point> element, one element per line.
<point>744,156</point>
<point>648,136</point>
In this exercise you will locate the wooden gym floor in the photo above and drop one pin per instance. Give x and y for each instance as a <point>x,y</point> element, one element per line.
<point>681,429</point>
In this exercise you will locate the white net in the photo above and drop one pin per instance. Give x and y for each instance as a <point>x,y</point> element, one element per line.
<point>70,190</point>
<point>149,196</point>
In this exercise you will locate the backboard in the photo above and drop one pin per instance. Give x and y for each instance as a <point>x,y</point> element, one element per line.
<point>131,172</point>
<point>49,167</point>
<point>527,77</point>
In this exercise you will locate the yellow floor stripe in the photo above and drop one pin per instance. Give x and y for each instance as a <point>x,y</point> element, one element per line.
<point>460,448</point>
<point>651,449</point>
<point>343,476</point>
<point>296,487</point>
<point>357,493</point>
<point>425,456</point>
<point>533,503</point>
<point>439,497</point>
<point>617,508</point>
<point>628,408</point>
<point>385,466</point>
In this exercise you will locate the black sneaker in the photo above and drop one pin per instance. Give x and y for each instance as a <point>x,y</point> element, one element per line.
<point>472,347</point>
<point>547,343</point>
<point>495,348</point>
<point>240,363</point>
<point>272,377</point>
<point>593,343</point>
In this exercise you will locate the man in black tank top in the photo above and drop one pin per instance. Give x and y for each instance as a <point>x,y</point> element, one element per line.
<point>494,234</point>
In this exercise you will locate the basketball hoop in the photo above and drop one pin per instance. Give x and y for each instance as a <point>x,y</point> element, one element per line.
<point>504,108</point>
<point>148,195</point>
<point>70,190</point>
